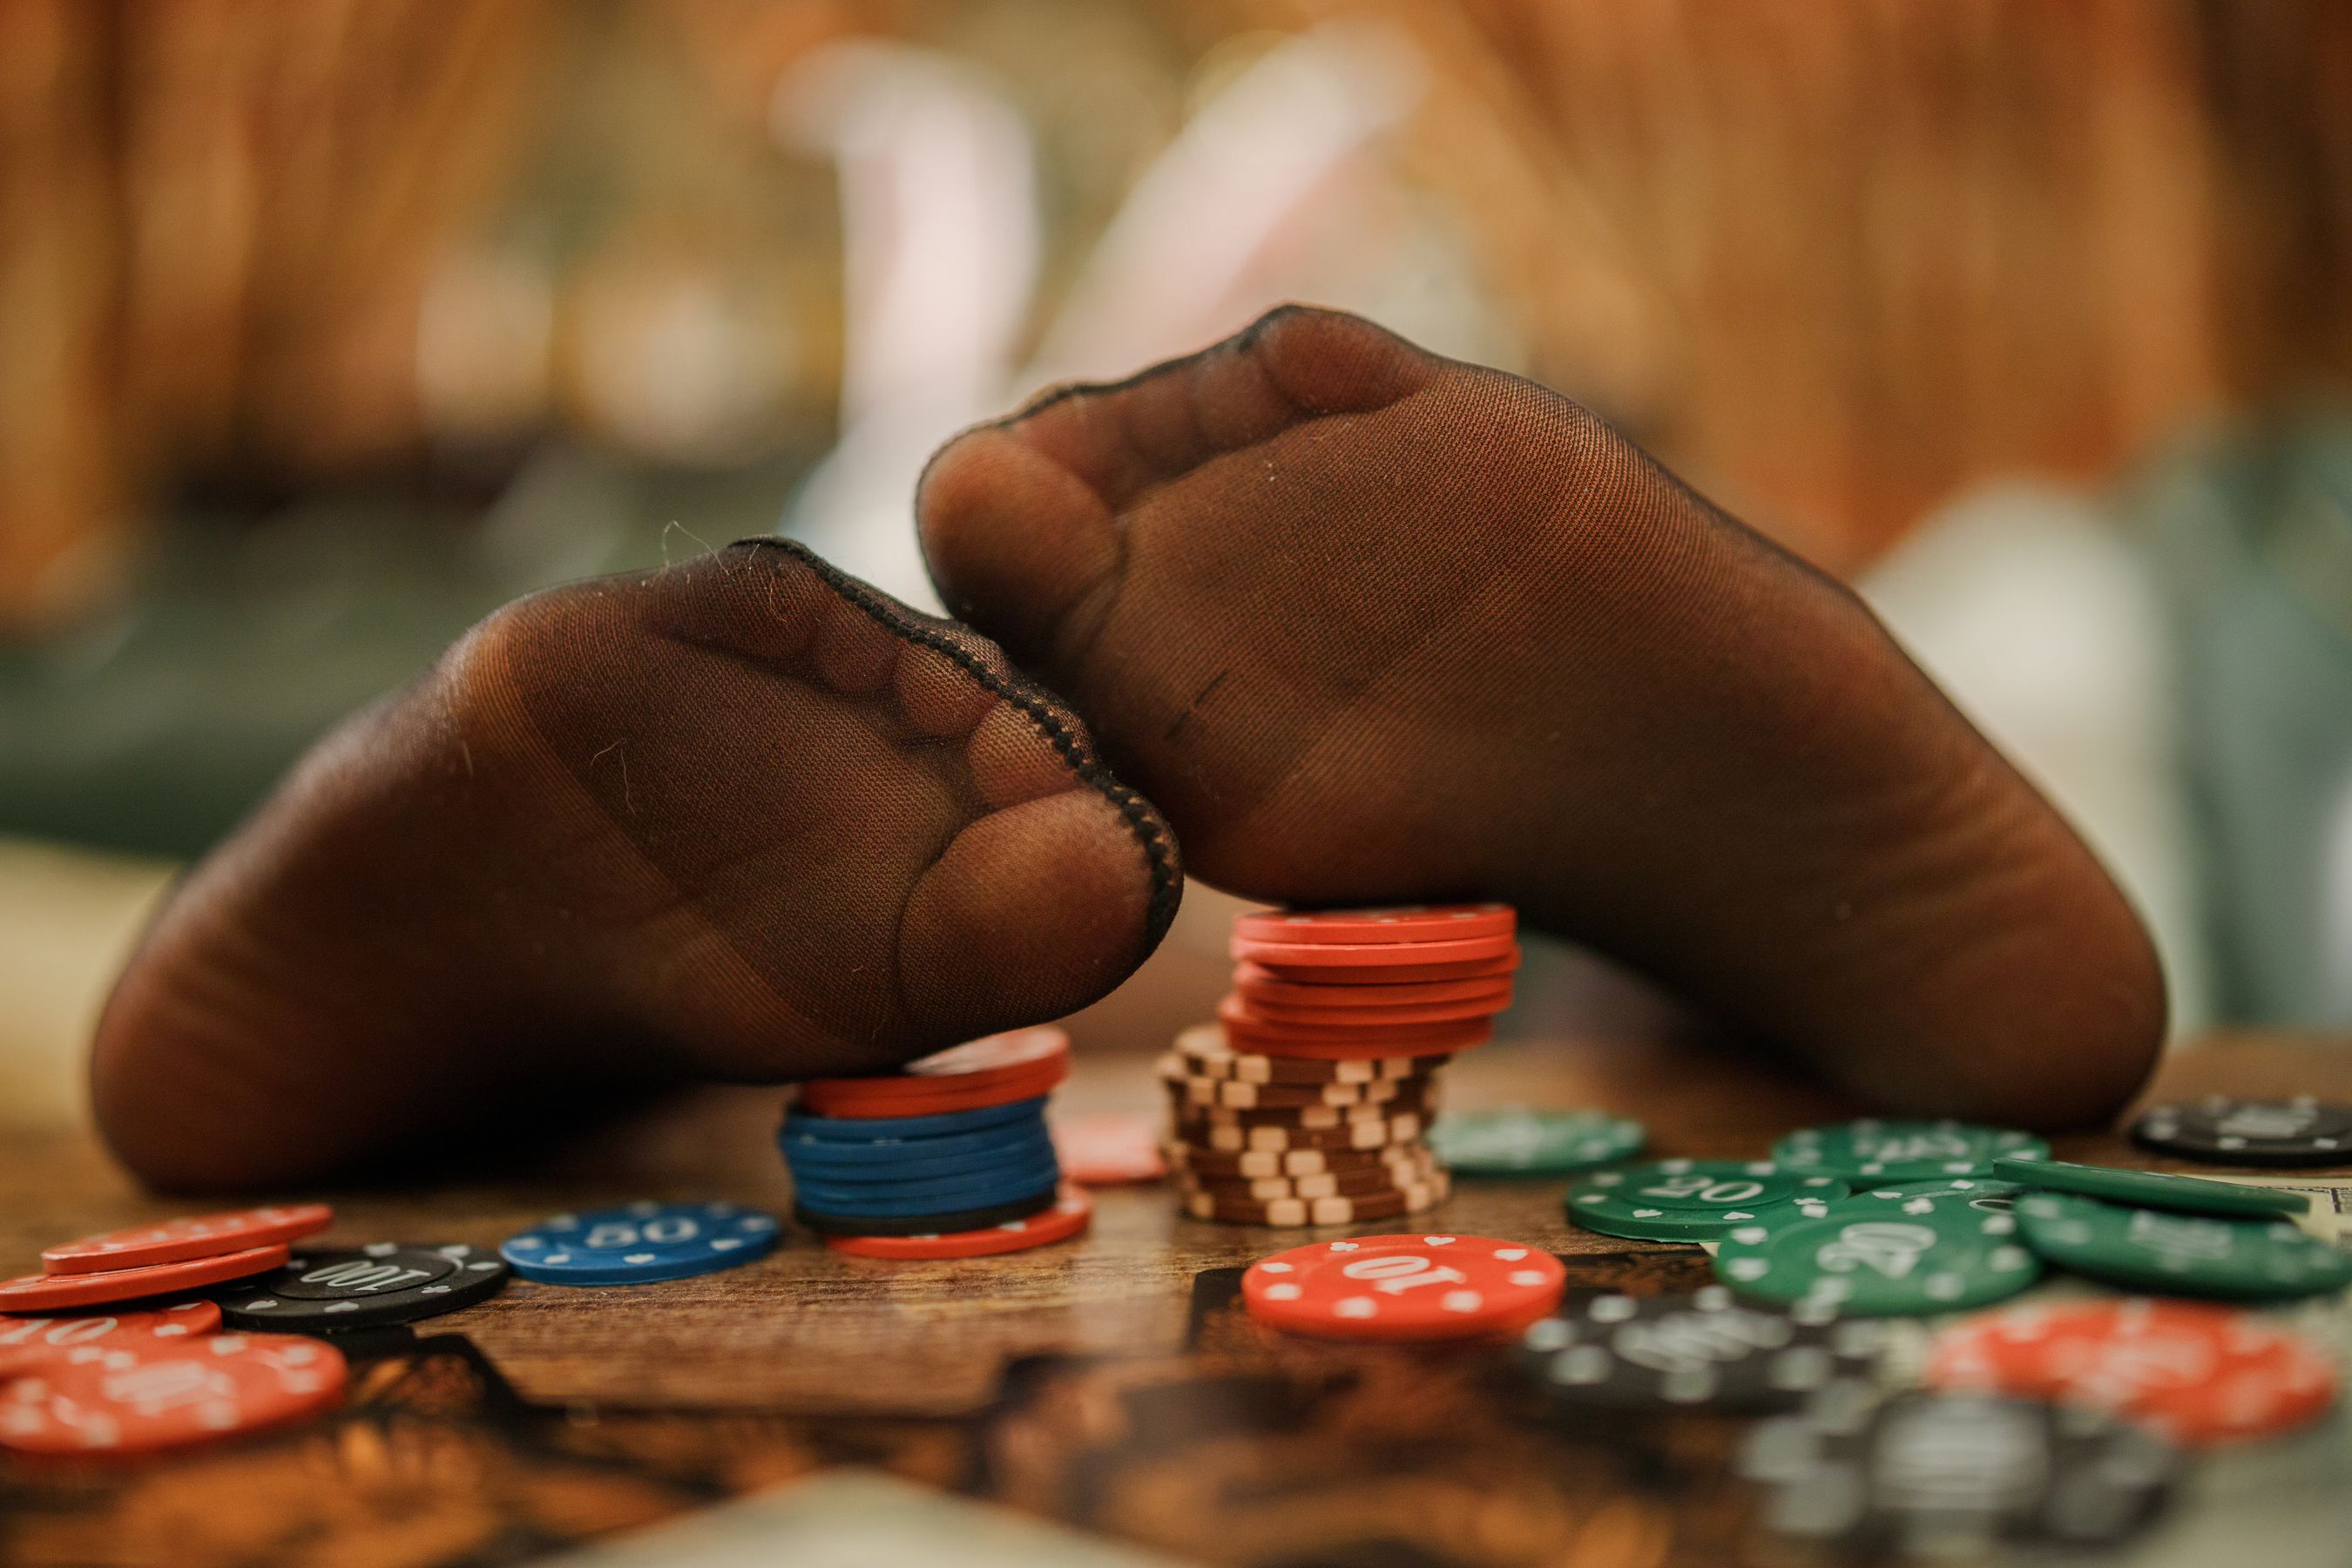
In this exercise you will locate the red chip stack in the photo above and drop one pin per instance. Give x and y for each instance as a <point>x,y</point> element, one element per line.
<point>1306,1102</point>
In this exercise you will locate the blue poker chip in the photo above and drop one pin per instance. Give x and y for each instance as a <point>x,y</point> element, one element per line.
<point>927,1197</point>
<point>907,1165</point>
<point>640,1243</point>
<point>866,1129</point>
<point>989,1143</point>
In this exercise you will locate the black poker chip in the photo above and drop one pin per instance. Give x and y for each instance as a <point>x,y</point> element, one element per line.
<point>1703,1350</point>
<point>1966,1476</point>
<point>928,1224</point>
<point>2226,1131</point>
<point>370,1287</point>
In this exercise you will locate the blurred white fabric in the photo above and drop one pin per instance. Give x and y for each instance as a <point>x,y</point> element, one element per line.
<point>2031,609</point>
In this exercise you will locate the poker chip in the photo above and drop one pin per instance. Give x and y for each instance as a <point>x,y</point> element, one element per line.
<point>1954,1476</point>
<point>930,1223</point>
<point>1108,1148</point>
<point>105,1399</point>
<point>1930,1256</point>
<point>996,1069</point>
<point>2149,1190</point>
<point>1025,1145</point>
<point>1308,1117</point>
<point>1204,1052</point>
<point>1456,1040</point>
<point>913,1200</point>
<point>1234,1138</point>
<point>2226,1131</point>
<point>1068,1217</point>
<point>641,1243</point>
<point>1278,1015</point>
<point>1254,1162</point>
<point>1881,1152</point>
<point>865,1130</point>
<point>370,1287</point>
<point>1988,1194</point>
<point>1247,1030</point>
<point>2181,1254</point>
<point>1280,956</point>
<point>1402,971</point>
<point>1415,1287</point>
<point>41,1292</point>
<point>28,1342</point>
<point>1519,1141</point>
<point>1703,1350</point>
<point>1256,986</point>
<point>1393,924</point>
<point>2198,1374</point>
<point>1696,1200</point>
<point>1378,1177</point>
<point>1338,1209</point>
<point>1241,1096</point>
<point>175,1241</point>
<point>828,1098</point>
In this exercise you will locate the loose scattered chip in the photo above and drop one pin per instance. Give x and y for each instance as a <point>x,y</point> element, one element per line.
<point>1415,1287</point>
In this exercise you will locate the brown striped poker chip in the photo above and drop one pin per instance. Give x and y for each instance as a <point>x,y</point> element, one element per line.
<point>1249,1164</point>
<point>1349,1183</point>
<point>1354,1136</point>
<point>1409,1200</point>
<point>1239,1096</point>
<point>1205,1054</point>
<point>1318,1116</point>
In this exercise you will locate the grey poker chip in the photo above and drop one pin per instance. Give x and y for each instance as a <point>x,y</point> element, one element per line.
<point>2226,1131</point>
<point>370,1287</point>
<point>1955,1475</point>
<point>1703,1350</point>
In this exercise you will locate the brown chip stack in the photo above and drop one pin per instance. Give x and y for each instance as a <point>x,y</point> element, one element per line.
<point>1307,1101</point>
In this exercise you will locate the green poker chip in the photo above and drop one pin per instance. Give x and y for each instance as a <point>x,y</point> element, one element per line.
<point>1876,1152</point>
<point>1696,1200</point>
<point>2148,1189</point>
<point>1930,1255</point>
<point>1986,1194</point>
<point>1519,1141</point>
<point>2181,1254</point>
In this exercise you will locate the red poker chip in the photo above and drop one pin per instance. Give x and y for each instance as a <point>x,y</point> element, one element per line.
<point>101,1399</point>
<point>2198,1373</point>
<point>1400,974</point>
<point>29,1341</point>
<point>1399,923</point>
<point>1068,1218</point>
<point>40,1292</point>
<point>206,1236</point>
<point>1251,1041</point>
<point>862,1107</point>
<point>1019,1064</point>
<point>1236,1014</point>
<point>1256,984</point>
<point>1281,955</point>
<point>1417,1286</point>
<point>1278,1015</point>
<point>1108,1148</point>
<point>1365,986</point>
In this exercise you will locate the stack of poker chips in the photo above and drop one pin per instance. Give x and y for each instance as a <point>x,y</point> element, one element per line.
<point>86,1343</point>
<point>948,1158</point>
<point>1307,1101</point>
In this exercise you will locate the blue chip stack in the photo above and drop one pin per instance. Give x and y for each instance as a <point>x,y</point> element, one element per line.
<point>956,1142</point>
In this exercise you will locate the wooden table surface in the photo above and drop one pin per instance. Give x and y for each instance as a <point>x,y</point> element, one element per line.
<point>811,1336</point>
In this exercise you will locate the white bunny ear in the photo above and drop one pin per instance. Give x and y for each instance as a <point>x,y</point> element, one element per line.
<point>1171,273</point>
<point>939,240</point>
